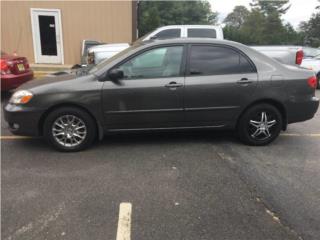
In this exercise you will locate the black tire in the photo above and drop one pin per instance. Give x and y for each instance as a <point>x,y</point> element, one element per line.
<point>249,125</point>
<point>88,129</point>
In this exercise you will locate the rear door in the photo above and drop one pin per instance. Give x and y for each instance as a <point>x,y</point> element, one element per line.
<point>220,81</point>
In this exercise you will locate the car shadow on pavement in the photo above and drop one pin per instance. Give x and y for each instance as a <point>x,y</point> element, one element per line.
<point>134,139</point>
<point>199,136</point>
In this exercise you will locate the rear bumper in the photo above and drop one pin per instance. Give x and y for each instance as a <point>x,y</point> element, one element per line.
<point>11,81</point>
<point>302,111</point>
<point>22,120</point>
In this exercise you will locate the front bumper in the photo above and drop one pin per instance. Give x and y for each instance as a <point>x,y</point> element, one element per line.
<point>302,111</point>
<point>23,120</point>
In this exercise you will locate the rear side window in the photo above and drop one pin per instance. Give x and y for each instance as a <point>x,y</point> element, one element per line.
<point>169,33</point>
<point>202,33</point>
<point>215,60</point>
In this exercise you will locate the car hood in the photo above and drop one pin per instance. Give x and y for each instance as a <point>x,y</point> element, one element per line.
<point>50,79</point>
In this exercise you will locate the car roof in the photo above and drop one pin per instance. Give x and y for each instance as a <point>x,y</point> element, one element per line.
<point>191,25</point>
<point>188,40</point>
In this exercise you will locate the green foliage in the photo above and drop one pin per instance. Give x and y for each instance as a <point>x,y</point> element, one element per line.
<point>262,25</point>
<point>270,6</point>
<point>311,30</point>
<point>237,17</point>
<point>153,14</point>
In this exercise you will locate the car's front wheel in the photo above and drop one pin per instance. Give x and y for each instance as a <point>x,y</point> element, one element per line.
<point>69,129</point>
<point>260,125</point>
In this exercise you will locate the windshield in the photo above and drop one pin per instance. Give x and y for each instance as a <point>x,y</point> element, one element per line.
<point>311,52</point>
<point>105,62</point>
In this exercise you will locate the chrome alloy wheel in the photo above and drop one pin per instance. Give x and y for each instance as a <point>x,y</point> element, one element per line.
<point>69,130</point>
<point>261,128</point>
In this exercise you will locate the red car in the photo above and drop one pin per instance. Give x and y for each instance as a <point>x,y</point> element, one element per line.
<point>14,71</point>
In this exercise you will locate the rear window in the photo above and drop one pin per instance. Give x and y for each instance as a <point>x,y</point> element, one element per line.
<point>202,33</point>
<point>169,33</point>
<point>216,60</point>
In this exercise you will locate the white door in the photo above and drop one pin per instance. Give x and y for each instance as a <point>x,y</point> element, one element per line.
<point>47,36</point>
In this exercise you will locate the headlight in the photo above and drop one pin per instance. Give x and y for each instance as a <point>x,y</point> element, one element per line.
<point>21,97</point>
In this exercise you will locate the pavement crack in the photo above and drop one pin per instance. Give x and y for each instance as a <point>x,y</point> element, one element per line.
<point>231,164</point>
<point>35,227</point>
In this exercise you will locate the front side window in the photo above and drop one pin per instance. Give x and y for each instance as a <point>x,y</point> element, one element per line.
<point>154,63</point>
<point>169,33</point>
<point>215,60</point>
<point>202,33</point>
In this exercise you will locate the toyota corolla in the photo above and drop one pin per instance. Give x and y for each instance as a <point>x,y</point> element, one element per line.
<point>163,85</point>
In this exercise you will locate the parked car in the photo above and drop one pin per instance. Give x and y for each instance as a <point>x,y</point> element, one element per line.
<point>312,61</point>
<point>98,53</point>
<point>290,55</point>
<point>15,71</point>
<point>164,85</point>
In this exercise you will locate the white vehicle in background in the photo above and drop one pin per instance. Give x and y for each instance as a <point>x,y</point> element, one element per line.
<point>312,61</point>
<point>289,55</point>
<point>98,53</point>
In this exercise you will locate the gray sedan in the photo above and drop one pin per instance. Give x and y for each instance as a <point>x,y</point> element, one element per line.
<point>163,85</point>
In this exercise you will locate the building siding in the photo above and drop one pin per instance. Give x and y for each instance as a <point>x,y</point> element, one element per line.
<point>105,21</point>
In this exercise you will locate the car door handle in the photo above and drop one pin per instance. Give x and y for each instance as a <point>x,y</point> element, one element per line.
<point>173,85</point>
<point>245,81</point>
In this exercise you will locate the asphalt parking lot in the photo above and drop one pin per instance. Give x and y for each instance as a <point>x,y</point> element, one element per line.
<point>191,185</point>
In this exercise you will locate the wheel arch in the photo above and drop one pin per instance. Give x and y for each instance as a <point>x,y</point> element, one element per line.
<point>74,105</point>
<point>272,102</point>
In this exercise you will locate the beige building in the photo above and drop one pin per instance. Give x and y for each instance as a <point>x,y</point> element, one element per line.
<point>52,31</point>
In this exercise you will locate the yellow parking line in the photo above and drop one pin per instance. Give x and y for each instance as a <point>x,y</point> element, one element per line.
<point>301,135</point>
<point>14,137</point>
<point>124,222</point>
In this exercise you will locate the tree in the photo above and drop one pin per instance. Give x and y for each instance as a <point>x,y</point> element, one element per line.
<point>311,30</point>
<point>237,17</point>
<point>262,25</point>
<point>153,14</point>
<point>267,7</point>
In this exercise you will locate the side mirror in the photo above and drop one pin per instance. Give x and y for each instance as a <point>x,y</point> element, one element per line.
<point>115,75</point>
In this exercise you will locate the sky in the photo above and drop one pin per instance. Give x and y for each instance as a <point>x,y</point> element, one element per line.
<point>301,10</point>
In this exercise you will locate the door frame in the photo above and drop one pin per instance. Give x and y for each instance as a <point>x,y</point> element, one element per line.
<point>34,33</point>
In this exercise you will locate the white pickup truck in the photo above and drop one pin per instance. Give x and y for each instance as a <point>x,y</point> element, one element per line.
<point>97,53</point>
<point>289,55</point>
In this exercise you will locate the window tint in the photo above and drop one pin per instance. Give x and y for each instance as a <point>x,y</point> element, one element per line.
<point>169,33</point>
<point>212,60</point>
<point>155,63</point>
<point>202,33</point>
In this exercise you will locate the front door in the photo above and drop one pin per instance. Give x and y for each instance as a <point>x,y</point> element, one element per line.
<point>47,39</point>
<point>220,82</point>
<point>151,92</point>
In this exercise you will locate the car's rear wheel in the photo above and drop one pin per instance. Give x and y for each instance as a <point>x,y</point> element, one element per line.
<point>69,129</point>
<point>260,125</point>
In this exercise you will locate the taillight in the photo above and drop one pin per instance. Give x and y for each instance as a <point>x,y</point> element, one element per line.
<point>299,57</point>
<point>312,82</point>
<point>4,67</point>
